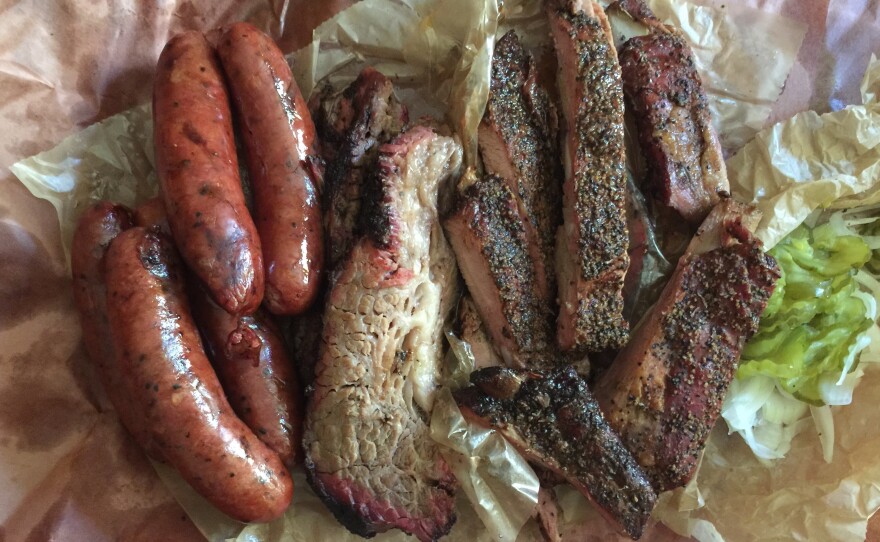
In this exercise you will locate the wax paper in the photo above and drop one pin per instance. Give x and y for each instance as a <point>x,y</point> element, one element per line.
<point>59,77</point>
<point>812,161</point>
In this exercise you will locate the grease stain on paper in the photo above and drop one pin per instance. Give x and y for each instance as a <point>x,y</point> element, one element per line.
<point>32,281</point>
<point>34,413</point>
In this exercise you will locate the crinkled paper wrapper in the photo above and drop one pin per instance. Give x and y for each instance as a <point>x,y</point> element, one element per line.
<point>438,52</point>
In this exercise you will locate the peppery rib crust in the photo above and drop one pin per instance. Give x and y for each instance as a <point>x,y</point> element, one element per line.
<point>491,240</point>
<point>663,393</point>
<point>553,419</point>
<point>517,139</point>
<point>592,247</point>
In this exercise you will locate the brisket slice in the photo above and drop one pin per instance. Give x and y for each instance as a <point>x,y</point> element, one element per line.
<point>663,392</point>
<point>554,421</point>
<point>352,123</point>
<point>591,254</point>
<point>369,454</point>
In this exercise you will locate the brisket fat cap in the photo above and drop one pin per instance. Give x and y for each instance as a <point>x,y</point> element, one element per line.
<point>369,454</point>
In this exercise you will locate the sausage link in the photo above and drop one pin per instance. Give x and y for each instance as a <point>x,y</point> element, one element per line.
<point>174,394</point>
<point>279,139</point>
<point>97,227</point>
<point>250,358</point>
<point>151,215</point>
<point>198,174</point>
<point>256,372</point>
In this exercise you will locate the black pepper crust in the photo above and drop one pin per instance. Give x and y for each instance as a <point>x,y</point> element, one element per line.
<point>591,299</point>
<point>520,113</point>
<point>599,316</point>
<point>663,393</point>
<point>489,211</point>
<point>555,420</point>
<point>724,294</point>
<point>685,166</point>
<point>600,183</point>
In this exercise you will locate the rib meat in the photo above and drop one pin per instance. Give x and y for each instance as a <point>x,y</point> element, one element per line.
<point>547,514</point>
<point>471,330</point>
<point>591,254</point>
<point>369,454</point>
<point>663,393</point>
<point>491,240</point>
<point>554,421</point>
<point>352,124</point>
<point>684,159</point>
<point>517,141</point>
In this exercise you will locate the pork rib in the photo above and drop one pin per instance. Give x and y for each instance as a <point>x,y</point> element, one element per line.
<point>492,241</point>
<point>591,254</point>
<point>369,454</point>
<point>554,421</point>
<point>685,163</point>
<point>517,141</point>
<point>663,392</point>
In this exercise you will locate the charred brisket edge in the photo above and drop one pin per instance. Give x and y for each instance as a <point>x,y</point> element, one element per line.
<point>376,217</point>
<point>346,515</point>
<point>349,518</point>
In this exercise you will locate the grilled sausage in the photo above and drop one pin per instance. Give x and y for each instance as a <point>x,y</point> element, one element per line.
<point>151,214</point>
<point>279,139</point>
<point>256,372</point>
<point>97,227</point>
<point>250,358</point>
<point>174,395</point>
<point>198,174</point>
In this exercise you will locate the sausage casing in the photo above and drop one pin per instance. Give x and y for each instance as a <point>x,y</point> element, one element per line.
<point>151,214</point>
<point>279,139</point>
<point>250,358</point>
<point>256,372</point>
<point>96,229</point>
<point>174,394</point>
<point>198,174</point>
